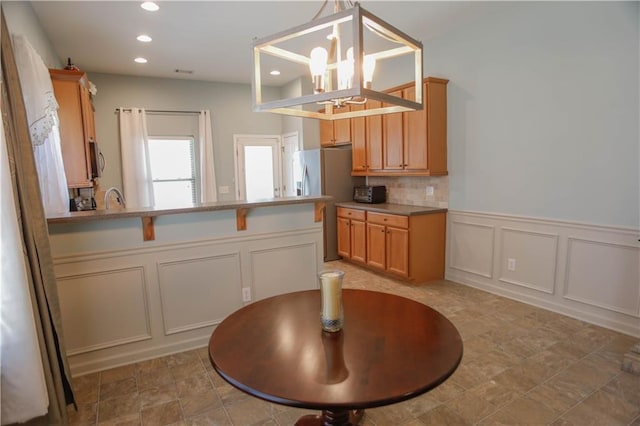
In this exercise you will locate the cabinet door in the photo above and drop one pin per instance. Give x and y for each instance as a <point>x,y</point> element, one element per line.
<point>358,241</point>
<point>398,251</point>
<point>376,237</point>
<point>326,133</point>
<point>436,105</point>
<point>358,142</point>
<point>373,128</point>
<point>74,146</point>
<point>342,131</point>
<point>344,237</point>
<point>415,134</point>
<point>392,138</point>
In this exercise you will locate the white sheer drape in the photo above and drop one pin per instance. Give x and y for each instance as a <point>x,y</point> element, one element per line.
<point>137,182</point>
<point>42,117</point>
<point>207,172</point>
<point>24,392</point>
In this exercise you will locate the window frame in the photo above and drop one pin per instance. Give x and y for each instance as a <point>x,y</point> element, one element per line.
<point>195,164</point>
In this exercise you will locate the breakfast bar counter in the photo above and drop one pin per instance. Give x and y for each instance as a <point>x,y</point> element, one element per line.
<point>135,284</point>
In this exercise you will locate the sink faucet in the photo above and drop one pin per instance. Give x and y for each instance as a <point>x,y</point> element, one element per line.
<point>119,197</point>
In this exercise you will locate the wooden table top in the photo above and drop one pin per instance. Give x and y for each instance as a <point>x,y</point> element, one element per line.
<point>390,349</point>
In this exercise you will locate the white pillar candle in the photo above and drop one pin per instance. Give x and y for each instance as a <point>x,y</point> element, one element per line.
<point>330,290</point>
<point>331,295</point>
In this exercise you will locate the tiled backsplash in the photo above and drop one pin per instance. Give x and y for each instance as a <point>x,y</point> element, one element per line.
<point>413,190</point>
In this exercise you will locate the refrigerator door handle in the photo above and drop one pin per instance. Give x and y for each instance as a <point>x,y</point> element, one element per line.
<point>305,176</point>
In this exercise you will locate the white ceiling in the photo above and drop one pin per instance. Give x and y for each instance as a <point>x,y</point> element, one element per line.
<point>213,38</point>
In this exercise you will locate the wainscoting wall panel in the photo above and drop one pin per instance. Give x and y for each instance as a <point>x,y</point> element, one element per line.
<point>87,298</point>
<point>533,255</point>
<point>581,270</point>
<point>199,292</point>
<point>597,272</point>
<point>273,272</point>
<point>471,247</point>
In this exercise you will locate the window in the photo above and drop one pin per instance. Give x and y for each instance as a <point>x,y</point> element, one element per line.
<point>173,167</point>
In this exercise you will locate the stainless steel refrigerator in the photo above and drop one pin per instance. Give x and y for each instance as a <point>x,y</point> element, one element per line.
<point>326,171</point>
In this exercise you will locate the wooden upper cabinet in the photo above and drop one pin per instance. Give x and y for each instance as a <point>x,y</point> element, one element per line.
<point>326,133</point>
<point>373,126</point>
<point>404,143</point>
<point>335,132</point>
<point>392,138</point>
<point>77,128</point>
<point>435,93</point>
<point>414,135</point>
<point>358,142</point>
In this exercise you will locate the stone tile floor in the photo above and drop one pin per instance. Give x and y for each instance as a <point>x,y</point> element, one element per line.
<point>522,366</point>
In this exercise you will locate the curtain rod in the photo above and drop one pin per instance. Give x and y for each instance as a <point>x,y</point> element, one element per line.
<point>160,111</point>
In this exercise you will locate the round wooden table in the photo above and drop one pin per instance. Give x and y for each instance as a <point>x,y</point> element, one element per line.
<point>390,349</point>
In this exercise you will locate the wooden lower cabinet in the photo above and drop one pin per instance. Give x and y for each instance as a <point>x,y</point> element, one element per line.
<point>410,247</point>
<point>352,234</point>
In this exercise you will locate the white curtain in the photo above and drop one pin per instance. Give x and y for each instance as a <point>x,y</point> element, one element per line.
<point>208,192</point>
<point>42,116</point>
<point>24,391</point>
<point>137,182</point>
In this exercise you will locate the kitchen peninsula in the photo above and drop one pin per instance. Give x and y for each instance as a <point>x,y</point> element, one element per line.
<point>140,283</point>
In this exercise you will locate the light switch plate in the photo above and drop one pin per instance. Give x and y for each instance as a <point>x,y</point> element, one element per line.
<point>429,191</point>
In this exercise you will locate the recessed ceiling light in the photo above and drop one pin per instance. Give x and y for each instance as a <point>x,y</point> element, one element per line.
<point>274,72</point>
<point>144,38</point>
<point>150,6</point>
<point>140,60</point>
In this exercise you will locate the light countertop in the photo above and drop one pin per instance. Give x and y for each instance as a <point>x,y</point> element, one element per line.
<point>118,213</point>
<point>399,209</point>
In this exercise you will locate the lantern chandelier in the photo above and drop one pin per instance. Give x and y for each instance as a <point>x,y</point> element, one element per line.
<point>339,67</point>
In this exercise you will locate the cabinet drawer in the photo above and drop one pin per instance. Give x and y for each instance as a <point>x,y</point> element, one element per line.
<point>351,213</point>
<point>388,219</point>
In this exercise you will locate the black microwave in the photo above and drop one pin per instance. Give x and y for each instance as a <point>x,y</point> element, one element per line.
<point>370,194</point>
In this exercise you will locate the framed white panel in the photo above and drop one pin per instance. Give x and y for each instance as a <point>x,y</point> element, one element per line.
<point>603,274</point>
<point>534,255</point>
<point>103,309</point>
<point>282,270</point>
<point>471,248</point>
<point>199,292</point>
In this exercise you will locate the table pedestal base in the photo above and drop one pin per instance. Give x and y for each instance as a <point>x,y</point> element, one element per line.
<point>332,418</point>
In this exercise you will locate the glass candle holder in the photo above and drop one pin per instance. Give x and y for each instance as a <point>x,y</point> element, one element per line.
<point>331,313</point>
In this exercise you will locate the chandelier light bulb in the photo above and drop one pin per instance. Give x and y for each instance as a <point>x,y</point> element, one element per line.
<point>318,61</point>
<point>345,71</point>
<point>368,67</point>
<point>318,66</point>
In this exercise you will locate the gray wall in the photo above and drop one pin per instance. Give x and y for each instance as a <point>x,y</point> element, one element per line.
<point>22,20</point>
<point>543,111</point>
<point>543,108</point>
<point>230,106</point>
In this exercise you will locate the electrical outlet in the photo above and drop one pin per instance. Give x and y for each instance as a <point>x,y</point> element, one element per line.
<point>223,189</point>
<point>511,264</point>
<point>429,191</point>
<point>246,294</point>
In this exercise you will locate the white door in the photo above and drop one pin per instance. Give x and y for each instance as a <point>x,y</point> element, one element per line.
<point>290,145</point>
<point>257,166</point>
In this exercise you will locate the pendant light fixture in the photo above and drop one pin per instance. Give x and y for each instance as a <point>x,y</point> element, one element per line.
<point>332,63</point>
